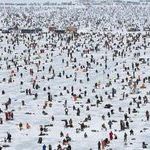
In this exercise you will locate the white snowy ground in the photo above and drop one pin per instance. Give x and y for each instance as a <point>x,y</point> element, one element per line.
<point>27,139</point>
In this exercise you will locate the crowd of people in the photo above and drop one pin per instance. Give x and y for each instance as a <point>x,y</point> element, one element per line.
<point>75,90</point>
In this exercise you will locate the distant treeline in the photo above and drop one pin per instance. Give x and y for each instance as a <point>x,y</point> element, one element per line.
<point>36,4</point>
<point>83,2</point>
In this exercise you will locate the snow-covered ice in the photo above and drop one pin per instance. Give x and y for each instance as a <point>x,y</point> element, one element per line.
<point>44,74</point>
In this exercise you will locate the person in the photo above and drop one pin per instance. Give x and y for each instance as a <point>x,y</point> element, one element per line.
<point>66,111</point>
<point>68,138</point>
<point>6,116</point>
<point>9,137</point>
<point>115,136</point>
<point>23,103</point>
<point>122,125</point>
<point>85,135</point>
<point>71,123</point>
<point>59,147</point>
<point>147,115</point>
<point>111,135</point>
<point>69,147</point>
<point>104,126</point>
<point>40,140</point>
<point>61,134</point>
<point>125,137</point>
<point>131,132</point>
<point>97,102</point>
<point>110,124</point>
<point>144,145</point>
<point>28,126</point>
<point>49,147</point>
<point>82,126</point>
<point>127,124</point>
<point>20,126</point>
<point>1,111</point>
<point>1,120</point>
<point>99,145</point>
<point>41,129</point>
<point>44,147</point>
<point>52,118</point>
<point>78,112</point>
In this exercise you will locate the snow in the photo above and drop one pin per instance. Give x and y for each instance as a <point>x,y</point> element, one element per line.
<point>90,34</point>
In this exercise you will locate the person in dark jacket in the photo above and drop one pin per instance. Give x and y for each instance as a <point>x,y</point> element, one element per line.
<point>44,147</point>
<point>99,145</point>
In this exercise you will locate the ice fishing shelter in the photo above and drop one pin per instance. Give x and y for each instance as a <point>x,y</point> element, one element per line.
<point>52,28</point>
<point>146,29</point>
<point>13,29</point>
<point>6,31</point>
<point>38,30</point>
<point>71,29</point>
<point>31,31</point>
<point>27,30</point>
<point>133,28</point>
<point>60,31</point>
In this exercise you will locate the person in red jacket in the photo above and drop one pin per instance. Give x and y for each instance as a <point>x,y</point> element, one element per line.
<point>111,135</point>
